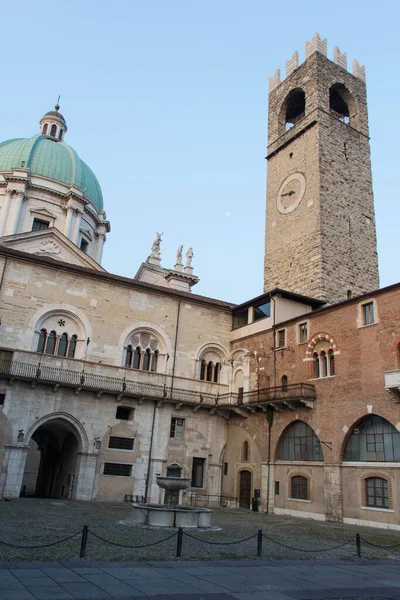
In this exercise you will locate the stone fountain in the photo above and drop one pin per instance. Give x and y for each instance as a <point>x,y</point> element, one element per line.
<point>171,513</point>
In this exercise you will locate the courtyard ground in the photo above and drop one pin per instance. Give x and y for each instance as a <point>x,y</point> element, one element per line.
<point>29,522</point>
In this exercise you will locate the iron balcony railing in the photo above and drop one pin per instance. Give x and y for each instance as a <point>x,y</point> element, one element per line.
<point>126,387</point>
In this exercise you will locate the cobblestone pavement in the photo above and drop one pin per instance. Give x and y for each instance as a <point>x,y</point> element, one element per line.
<point>34,522</point>
<point>199,580</point>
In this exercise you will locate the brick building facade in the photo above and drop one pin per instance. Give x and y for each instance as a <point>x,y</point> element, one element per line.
<point>294,395</point>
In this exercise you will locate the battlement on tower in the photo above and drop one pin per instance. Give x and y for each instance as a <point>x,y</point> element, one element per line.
<point>316,45</point>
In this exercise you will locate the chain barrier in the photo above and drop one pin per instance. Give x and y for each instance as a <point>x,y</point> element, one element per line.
<point>219,543</point>
<point>41,545</point>
<point>306,550</point>
<point>378,546</point>
<point>132,547</point>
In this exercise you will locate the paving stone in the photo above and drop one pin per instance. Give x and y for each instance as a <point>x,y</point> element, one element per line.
<point>85,591</point>
<point>50,593</point>
<point>27,573</point>
<point>17,594</point>
<point>63,575</point>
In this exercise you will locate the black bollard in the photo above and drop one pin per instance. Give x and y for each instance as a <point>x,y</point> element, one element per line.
<point>358,545</point>
<point>259,543</point>
<point>179,543</point>
<point>85,532</point>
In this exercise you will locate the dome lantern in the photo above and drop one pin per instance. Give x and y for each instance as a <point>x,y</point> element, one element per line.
<point>53,125</point>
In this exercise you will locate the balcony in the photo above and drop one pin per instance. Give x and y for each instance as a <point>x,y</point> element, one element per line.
<point>392,385</point>
<point>34,369</point>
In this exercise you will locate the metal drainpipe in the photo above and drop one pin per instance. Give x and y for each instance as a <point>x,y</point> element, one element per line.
<point>4,271</point>
<point>270,424</point>
<point>175,346</point>
<point>146,490</point>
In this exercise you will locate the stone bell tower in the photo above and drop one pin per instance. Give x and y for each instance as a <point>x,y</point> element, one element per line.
<point>320,222</point>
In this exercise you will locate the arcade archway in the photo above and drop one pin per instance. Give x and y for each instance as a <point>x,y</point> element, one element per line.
<point>51,462</point>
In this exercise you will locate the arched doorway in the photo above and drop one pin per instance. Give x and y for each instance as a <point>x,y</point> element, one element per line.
<point>244,489</point>
<point>51,461</point>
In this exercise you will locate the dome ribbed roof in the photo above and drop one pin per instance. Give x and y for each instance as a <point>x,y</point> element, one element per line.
<point>52,159</point>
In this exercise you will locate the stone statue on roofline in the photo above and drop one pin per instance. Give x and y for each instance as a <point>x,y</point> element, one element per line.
<point>179,255</point>
<point>189,257</point>
<point>155,248</point>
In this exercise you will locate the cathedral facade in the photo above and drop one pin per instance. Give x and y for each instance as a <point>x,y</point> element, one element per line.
<point>292,397</point>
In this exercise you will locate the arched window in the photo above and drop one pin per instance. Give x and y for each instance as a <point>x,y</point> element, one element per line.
<point>373,440</point>
<point>136,358</point>
<point>45,128</point>
<point>284,382</point>
<point>299,442</point>
<point>209,374</point>
<point>51,343</point>
<point>299,487</point>
<point>53,130</point>
<point>294,109</point>
<point>216,372</point>
<point>323,364</point>
<point>245,451</point>
<point>60,134</point>
<point>146,360</point>
<point>315,366</point>
<point>154,361</point>
<point>42,340</point>
<point>341,103</point>
<point>72,346</point>
<point>331,362</point>
<point>63,345</point>
<point>142,352</point>
<point>377,492</point>
<point>129,356</point>
<point>203,370</point>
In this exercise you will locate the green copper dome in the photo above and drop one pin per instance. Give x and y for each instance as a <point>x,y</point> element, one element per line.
<point>53,159</point>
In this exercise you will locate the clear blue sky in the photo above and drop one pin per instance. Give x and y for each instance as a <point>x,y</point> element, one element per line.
<point>167,103</point>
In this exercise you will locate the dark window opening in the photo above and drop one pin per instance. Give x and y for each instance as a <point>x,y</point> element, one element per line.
<point>209,373</point>
<point>225,468</point>
<point>60,134</point>
<point>121,443</point>
<point>276,488</point>
<point>373,440</point>
<point>240,395</point>
<point>39,224</point>
<point>262,310</point>
<point>284,383</point>
<point>124,413</point>
<point>295,108</point>
<point>84,245</point>
<point>45,128</point>
<point>2,399</point>
<point>51,343</point>
<point>53,130</point>
<point>368,313</point>
<point>63,345</point>
<point>176,430</point>
<point>198,472</point>
<point>281,338</point>
<point>245,457</point>
<point>72,346</point>
<point>299,487</point>
<point>203,370</point>
<point>299,442</point>
<point>303,333</point>
<point>338,104</point>
<point>377,492</point>
<point>42,340</point>
<point>240,318</point>
<point>120,469</point>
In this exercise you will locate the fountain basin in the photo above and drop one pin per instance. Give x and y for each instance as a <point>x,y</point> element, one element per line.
<point>159,515</point>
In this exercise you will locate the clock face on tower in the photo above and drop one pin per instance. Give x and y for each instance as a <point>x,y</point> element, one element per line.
<point>291,193</point>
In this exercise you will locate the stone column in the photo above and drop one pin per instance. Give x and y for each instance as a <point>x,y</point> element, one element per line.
<point>68,221</point>
<point>75,234</point>
<point>14,214</point>
<point>15,469</point>
<point>333,493</point>
<point>99,246</point>
<point>264,486</point>
<point>5,210</point>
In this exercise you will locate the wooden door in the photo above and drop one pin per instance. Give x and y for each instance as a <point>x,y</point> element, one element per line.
<point>245,489</point>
